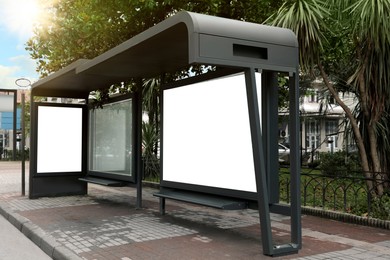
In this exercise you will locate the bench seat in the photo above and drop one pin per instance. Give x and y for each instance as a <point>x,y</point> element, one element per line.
<point>202,199</point>
<point>103,181</point>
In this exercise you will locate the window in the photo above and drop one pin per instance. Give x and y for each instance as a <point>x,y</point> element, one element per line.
<point>332,100</point>
<point>331,131</point>
<point>313,96</point>
<point>313,134</point>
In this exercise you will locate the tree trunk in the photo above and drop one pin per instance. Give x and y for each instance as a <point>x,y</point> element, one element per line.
<point>355,128</point>
<point>372,138</point>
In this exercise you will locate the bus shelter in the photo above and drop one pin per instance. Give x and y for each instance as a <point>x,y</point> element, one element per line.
<point>219,130</point>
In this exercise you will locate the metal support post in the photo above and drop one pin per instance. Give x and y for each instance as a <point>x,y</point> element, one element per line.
<point>162,206</point>
<point>269,128</point>
<point>262,163</point>
<point>23,145</point>
<point>259,161</point>
<point>295,166</point>
<point>138,142</point>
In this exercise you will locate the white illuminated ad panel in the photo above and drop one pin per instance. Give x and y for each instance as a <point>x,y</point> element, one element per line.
<point>59,140</point>
<point>206,136</point>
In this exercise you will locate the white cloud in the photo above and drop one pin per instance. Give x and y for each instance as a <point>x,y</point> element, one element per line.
<point>21,66</point>
<point>26,64</point>
<point>7,78</point>
<point>16,20</point>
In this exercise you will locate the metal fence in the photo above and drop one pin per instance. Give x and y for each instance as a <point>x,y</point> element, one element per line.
<point>341,192</point>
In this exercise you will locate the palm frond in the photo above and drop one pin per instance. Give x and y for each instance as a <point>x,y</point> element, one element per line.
<point>305,18</point>
<point>371,32</point>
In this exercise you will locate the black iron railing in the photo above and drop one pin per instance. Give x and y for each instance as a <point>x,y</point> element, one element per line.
<point>345,192</point>
<point>340,192</point>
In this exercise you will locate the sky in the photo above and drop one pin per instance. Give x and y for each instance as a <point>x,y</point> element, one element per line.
<point>16,23</point>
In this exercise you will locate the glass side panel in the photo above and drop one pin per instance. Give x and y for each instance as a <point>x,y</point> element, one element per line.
<point>110,138</point>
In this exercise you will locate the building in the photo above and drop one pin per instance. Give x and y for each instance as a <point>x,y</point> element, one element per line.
<point>10,133</point>
<point>322,121</point>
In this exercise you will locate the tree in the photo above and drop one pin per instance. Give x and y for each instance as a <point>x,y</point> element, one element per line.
<point>362,30</point>
<point>80,29</point>
<point>85,29</point>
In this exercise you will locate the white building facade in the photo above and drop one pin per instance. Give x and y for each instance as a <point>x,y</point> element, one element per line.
<point>322,122</point>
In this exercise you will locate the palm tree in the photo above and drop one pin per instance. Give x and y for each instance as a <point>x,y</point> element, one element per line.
<point>369,34</point>
<point>150,129</point>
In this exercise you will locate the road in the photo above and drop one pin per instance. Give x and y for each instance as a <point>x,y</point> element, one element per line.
<point>13,244</point>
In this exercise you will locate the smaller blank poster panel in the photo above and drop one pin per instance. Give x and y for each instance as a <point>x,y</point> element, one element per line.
<point>59,140</point>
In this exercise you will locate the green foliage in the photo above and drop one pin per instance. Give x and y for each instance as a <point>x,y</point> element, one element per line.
<point>339,163</point>
<point>313,164</point>
<point>76,29</point>
<point>371,34</point>
<point>381,207</point>
<point>150,139</point>
<point>305,18</point>
<point>348,43</point>
<point>283,92</point>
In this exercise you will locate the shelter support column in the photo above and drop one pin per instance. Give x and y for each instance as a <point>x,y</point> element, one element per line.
<point>259,161</point>
<point>269,128</point>
<point>263,145</point>
<point>295,165</point>
<point>137,123</point>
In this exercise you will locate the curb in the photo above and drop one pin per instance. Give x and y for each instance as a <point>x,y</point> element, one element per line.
<point>44,241</point>
<point>347,218</point>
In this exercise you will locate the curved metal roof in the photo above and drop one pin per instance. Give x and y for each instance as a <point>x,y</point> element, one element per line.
<point>174,44</point>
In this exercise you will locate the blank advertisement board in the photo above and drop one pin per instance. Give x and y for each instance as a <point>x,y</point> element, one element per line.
<point>206,134</point>
<point>59,140</point>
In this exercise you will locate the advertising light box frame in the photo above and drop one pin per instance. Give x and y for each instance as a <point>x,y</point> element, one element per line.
<point>215,137</point>
<point>60,134</point>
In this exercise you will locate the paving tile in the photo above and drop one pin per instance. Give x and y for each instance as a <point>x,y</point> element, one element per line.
<point>105,225</point>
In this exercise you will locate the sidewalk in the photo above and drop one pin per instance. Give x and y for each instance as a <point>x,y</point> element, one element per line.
<point>106,225</point>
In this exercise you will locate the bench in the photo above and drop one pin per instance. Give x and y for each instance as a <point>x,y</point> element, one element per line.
<point>214,201</point>
<point>103,181</point>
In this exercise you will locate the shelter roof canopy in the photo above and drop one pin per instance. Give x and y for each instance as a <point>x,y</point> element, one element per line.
<point>172,45</point>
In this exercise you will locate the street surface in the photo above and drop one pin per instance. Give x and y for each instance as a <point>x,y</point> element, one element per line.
<point>14,245</point>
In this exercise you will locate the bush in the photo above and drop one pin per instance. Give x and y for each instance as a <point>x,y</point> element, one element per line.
<point>339,163</point>
<point>381,207</point>
<point>314,164</point>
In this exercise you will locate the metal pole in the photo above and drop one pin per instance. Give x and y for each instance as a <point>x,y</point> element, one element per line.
<point>295,167</point>
<point>23,83</point>
<point>14,126</point>
<point>259,162</point>
<point>23,145</point>
<point>137,113</point>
